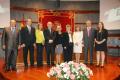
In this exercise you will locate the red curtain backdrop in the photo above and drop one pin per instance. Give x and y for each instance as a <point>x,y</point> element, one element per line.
<point>57,17</point>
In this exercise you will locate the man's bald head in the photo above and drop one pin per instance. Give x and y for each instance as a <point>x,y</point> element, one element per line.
<point>12,23</point>
<point>88,23</point>
<point>49,24</point>
<point>29,21</point>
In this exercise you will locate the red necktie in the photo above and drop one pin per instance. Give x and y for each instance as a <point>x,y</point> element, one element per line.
<point>89,31</point>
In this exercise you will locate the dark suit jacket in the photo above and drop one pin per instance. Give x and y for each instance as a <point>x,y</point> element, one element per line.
<point>65,39</point>
<point>9,39</point>
<point>88,40</point>
<point>26,37</point>
<point>49,36</point>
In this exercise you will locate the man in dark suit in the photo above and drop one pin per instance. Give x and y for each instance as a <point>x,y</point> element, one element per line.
<point>49,35</point>
<point>88,38</point>
<point>67,44</point>
<point>28,42</point>
<point>11,44</point>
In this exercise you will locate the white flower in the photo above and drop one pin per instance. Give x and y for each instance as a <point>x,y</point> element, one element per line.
<point>70,62</point>
<point>48,75</point>
<point>66,76</point>
<point>74,70</point>
<point>78,77</point>
<point>77,72</point>
<point>62,64</point>
<point>65,69</point>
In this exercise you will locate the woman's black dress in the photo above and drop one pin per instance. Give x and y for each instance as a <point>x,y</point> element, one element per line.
<point>99,37</point>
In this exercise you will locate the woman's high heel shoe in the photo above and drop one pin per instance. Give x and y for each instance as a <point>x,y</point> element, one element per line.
<point>102,66</point>
<point>97,65</point>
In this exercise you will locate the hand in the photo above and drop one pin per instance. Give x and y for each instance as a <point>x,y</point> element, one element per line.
<point>56,46</point>
<point>65,48</point>
<point>98,42</point>
<point>76,44</point>
<point>3,46</point>
<point>34,45</point>
<point>23,45</point>
<point>43,43</point>
<point>50,41</point>
<point>82,45</point>
<point>19,47</point>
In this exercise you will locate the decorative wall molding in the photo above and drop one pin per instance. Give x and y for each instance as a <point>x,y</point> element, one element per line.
<point>36,10</point>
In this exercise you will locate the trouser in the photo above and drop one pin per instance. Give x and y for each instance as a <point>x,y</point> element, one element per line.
<point>50,49</point>
<point>39,54</point>
<point>86,48</point>
<point>10,58</point>
<point>25,55</point>
<point>68,51</point>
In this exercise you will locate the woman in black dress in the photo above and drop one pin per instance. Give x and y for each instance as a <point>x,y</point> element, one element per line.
<point>58,43</point>
<point>101,44</point>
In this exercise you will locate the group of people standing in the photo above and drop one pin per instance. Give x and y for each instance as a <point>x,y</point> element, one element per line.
<point>54,41</point>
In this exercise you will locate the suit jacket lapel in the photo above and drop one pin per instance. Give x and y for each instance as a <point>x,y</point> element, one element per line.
<point>16,31</point>
<point>27,29</point>
<point>10,31</point>
<point>91,31</point>
<point>86,32</point>
<point>50,32</point>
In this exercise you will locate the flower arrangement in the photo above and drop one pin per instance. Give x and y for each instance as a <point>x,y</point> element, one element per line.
<point>70,71</point>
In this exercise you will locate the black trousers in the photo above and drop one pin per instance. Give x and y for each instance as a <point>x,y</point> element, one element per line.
<point>39,54</point>
<point>68,51</point>
<point>50,50</point>
<point>25,55</point>
<point>10,58</point>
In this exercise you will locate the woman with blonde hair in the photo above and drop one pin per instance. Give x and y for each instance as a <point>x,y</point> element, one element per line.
<point>39,43</point>
<point>77,41</point>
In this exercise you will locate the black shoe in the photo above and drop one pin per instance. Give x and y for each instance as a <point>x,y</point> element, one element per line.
<point>7,69</point>
<point>58,63</point>
<point>97,65</point>
<point>32,66</point>
<point>26,67</point>
<point>39,65</point>
<point>52,64</point>
<point>48,65</point>
<point>91,63</point>
<point>14,69</point>
<point>102,66</point>
<point>85,63</point>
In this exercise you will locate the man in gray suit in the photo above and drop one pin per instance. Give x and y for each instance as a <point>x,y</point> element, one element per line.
<point>88,38</point>
<point>10,43</point>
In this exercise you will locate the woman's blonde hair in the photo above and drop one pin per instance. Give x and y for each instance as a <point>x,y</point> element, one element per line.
<point>77,27</point>
<point>39,25</point>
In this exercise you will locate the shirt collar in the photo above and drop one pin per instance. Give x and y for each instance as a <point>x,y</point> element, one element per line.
<point>88,28</point>
<point>12,28</point>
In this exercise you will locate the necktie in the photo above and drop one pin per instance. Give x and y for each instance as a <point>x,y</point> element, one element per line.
<point>89,31</point>
<point>50,31</point>
<point>29,28</point>
<point>13,29</point>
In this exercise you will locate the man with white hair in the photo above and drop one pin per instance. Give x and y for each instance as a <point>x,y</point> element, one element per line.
<point>88,40</point>
<point>11,43</point>
<point>49,35</point>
